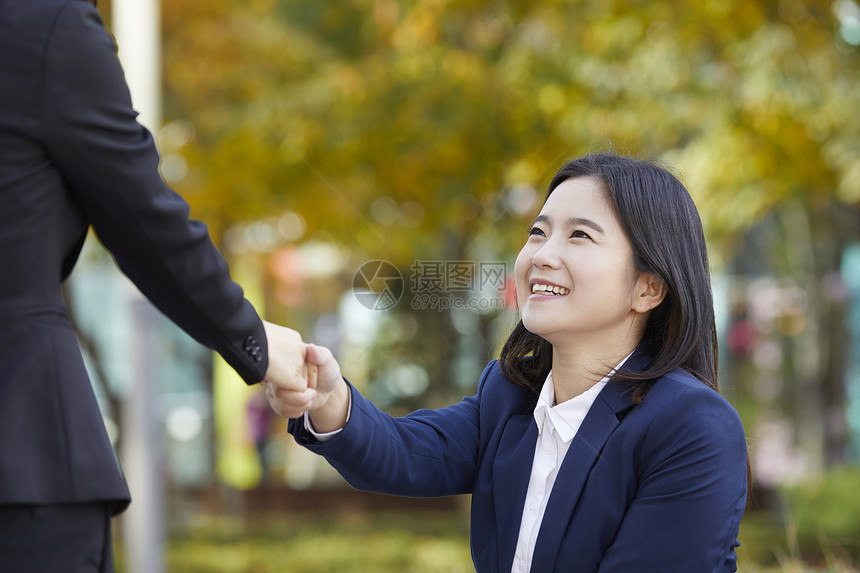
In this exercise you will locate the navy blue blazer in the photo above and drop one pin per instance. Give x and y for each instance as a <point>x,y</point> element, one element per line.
<point>72,155</point>
<point>656,487</point>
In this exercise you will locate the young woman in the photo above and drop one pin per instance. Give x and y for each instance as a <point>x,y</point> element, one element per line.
<point>599,440</point>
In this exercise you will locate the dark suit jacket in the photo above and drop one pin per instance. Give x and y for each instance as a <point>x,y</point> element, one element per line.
<point>73,155</point>
<point>656,487</point>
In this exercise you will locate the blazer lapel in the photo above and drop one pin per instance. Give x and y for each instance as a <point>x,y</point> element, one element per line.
<point>511,471</point>
<point>600,422</point>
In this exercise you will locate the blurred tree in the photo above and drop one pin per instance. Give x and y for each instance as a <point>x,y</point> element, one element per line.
<point>420,130</point>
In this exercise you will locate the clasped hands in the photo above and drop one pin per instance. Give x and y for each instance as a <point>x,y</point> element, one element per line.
<point>304,378</point>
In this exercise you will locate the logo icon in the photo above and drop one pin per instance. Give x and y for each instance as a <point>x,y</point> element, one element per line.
<point>378,285</point>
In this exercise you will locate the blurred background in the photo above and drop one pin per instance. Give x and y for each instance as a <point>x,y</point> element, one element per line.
<point>369,169</point>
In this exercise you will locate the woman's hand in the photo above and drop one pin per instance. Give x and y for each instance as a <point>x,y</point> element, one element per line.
<point>326,398</point>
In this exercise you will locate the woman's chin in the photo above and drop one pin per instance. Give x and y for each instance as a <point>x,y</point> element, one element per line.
<point>539,328</point>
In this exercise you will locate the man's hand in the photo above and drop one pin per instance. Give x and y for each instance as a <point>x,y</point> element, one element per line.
<point>287,366</point>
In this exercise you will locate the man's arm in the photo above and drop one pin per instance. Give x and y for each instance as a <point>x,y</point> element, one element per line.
<point>110,163</point>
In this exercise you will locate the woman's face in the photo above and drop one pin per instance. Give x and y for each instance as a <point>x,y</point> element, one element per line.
<point>575,275</point>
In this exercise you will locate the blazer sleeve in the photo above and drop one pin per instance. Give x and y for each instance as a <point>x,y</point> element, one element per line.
<point>424,454</point>
<point>691,494</point>
<point>110,164</point>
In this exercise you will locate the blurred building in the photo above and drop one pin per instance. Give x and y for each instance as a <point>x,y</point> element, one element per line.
<point>113,336</point>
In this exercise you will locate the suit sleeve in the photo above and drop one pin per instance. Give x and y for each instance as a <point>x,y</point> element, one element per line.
<point>691,494</point>
<point>110,164</point>
<point>427,453</point>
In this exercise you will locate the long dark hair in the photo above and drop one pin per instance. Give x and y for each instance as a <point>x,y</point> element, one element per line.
<point>665,232</point>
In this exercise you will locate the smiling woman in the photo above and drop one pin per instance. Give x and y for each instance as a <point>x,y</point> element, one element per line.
<point>578,253</point>
<point>653,219</point>
<point>599,441</point>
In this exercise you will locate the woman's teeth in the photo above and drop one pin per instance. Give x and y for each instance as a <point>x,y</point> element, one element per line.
<point>547,289</point>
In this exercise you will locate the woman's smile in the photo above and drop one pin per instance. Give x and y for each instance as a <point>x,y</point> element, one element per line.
<point>542,289</point>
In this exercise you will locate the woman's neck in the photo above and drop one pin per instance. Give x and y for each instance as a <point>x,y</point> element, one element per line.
<point>575,372</point>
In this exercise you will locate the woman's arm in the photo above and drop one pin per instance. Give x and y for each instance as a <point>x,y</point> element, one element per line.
<point>427,453</point>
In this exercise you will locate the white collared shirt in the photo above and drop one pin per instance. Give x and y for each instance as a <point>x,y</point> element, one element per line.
<point>557,425</point>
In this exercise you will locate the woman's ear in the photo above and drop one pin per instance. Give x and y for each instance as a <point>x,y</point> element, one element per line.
<point>648,293</point>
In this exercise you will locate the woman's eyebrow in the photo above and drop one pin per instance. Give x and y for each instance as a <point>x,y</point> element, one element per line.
<point>573,222</point>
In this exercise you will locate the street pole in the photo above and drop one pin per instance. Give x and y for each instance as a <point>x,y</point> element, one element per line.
<point>143,455</point>
<point>136,25</point>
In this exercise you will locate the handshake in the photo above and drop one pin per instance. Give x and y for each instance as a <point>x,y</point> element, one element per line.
<point>304,378</point>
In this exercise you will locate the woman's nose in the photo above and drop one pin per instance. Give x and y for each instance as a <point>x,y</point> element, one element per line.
<point>547,256</point>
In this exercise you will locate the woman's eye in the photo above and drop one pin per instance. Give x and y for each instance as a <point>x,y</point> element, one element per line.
<point>536,231</point>
<point>579,235</point>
